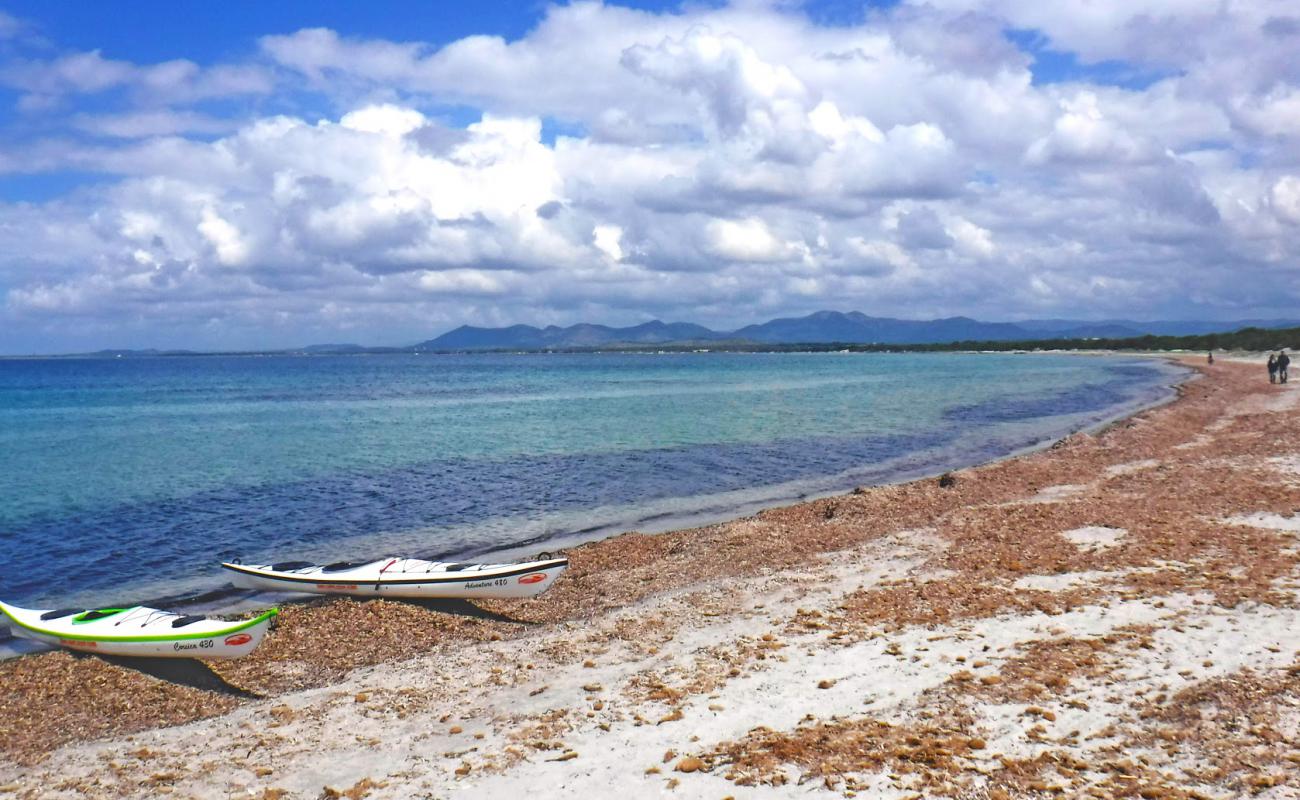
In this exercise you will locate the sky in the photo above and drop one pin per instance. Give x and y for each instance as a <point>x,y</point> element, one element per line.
<point>256,175</point>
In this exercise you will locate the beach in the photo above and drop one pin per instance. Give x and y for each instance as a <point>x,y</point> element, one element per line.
<point>1114,616</point>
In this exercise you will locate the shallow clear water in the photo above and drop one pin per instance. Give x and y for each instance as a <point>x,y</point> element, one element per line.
<point>130,479</point>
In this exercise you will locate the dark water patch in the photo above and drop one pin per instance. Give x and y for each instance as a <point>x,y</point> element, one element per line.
<point>1077,400</point>
<point>178,537</point>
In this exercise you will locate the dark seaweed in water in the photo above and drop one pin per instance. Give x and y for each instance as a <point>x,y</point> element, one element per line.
<point>290,517</point>
<point>1089,397</point>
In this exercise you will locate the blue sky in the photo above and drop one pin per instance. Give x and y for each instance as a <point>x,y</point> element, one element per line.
<point>267,174</point>
<point>153,30</point>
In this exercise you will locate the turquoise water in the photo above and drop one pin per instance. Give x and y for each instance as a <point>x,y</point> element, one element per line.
<point>131,478</point>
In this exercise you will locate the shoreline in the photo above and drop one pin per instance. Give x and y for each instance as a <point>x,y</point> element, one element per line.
<point>885,593</point>
<point>209,596</point>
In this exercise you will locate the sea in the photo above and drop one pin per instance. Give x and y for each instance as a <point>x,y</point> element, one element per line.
<point>128,480</point>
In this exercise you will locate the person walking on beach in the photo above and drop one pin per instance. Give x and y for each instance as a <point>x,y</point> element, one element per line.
<point>1210,356</point>
<point>1283,361</point>
<point>1272,368</point>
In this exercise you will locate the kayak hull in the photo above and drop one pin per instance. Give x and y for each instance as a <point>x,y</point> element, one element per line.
<point>140,632</point>
<point>406,578</point>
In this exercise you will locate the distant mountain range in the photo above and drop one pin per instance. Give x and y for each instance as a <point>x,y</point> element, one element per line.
<point>527,337</point>
<point>819,328</point>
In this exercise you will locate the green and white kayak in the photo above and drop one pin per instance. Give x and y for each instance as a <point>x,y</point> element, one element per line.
<point>139,631</point>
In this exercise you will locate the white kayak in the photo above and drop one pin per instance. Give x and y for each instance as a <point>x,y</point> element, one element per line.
<point>139,631</point>
<point>403,577</point>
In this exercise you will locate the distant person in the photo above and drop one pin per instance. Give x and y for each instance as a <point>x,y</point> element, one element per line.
<point>1272,368</point>
<point>1283,361</point>
<point>1210,356</point>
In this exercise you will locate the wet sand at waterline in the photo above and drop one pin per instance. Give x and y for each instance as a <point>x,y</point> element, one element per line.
<point>1115,616</point>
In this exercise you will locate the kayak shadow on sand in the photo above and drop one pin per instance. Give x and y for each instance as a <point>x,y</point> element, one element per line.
<point>460,608</point>
<point>444,605</point>
<point>183,671</point>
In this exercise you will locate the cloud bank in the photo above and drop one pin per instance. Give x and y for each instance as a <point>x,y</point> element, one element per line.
<point>719,165</point>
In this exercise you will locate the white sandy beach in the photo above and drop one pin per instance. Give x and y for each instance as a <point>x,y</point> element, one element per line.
<point>1126,669</point>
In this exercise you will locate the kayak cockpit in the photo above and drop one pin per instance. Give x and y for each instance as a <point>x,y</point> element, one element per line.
<point>342,566</point>
<point>96,614</point>
<point>287,566</point>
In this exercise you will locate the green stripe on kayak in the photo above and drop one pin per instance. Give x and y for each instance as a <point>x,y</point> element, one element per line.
<point>235,628</point>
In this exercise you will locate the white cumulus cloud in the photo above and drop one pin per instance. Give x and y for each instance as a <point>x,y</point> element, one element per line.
<point>717,163</point>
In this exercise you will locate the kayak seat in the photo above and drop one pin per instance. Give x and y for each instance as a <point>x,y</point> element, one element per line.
<point>188,619</point>
<point>338,566</point>
<point>62,612</point>
<point>285,566</point>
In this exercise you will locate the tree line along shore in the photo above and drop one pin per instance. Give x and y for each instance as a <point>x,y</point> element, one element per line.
<point>1244,340</point>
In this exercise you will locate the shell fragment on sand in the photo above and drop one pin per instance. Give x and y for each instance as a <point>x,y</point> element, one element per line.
<point>404,577</point>
<point>139,631</point>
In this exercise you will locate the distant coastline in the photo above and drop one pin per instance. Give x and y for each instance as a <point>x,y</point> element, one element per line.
<point>1247,340</point>
<point>822,331</point>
